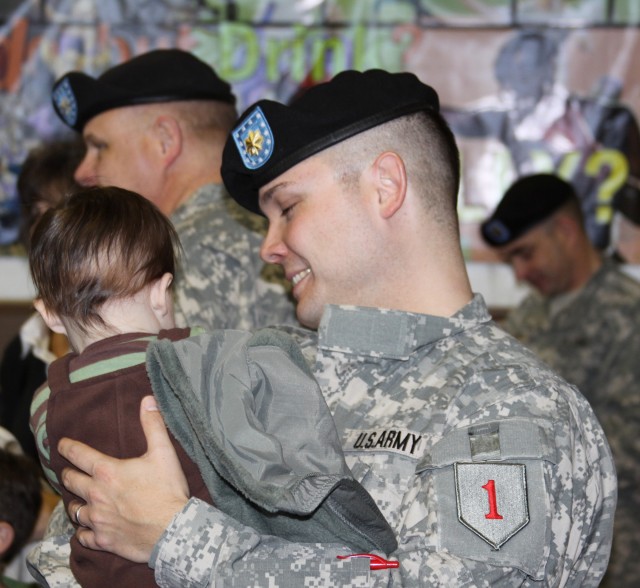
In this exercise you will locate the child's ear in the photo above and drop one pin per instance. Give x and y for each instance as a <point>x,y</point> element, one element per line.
<point>161,297</point>
<point>7,535</point>
<point>51,319</point>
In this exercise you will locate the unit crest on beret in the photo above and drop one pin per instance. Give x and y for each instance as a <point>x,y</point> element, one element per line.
<point>66,103</point>
<point>254,139</point>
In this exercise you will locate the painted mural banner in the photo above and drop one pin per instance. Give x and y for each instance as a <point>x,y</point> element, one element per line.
<point>525,87</point>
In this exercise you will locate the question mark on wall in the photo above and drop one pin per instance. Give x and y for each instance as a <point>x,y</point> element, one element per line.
<point>618,167</point>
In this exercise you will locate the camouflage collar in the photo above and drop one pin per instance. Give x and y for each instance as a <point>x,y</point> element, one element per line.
<point>201,198</point>
<point>392,334</point>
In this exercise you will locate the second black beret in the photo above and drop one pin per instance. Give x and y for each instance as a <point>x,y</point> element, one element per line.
<point>528,201</point>
<point>162,75</point>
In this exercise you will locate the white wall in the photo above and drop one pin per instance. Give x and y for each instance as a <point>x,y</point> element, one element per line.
<point>494,281</point>
<point>15,282</point>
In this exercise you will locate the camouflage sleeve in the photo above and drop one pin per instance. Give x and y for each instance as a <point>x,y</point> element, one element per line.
<point>584,489</point>
<point>204,547</point>
<point>48,562</point>
<point>567,543</point>
<point>618,409</point>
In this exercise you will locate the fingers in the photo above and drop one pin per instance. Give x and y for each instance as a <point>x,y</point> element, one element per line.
<point>77,483</point>
<point>153,425</point>
<point>76,515</point>
<point>89,462</point>
<point>86,458</point>
<point>87,538</point>
<point>129,502</point>
<point>160,448</point>
<point>80,455</point>
<point>79,513</point>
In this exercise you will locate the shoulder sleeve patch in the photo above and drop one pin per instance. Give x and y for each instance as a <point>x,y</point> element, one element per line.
<point>492,499</point>
<point>490,493</point>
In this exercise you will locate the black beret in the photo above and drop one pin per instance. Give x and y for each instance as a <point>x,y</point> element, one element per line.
<point>270,137</point>
<point>528,201</point>
<point>627,202</point>
<point>162,75</point>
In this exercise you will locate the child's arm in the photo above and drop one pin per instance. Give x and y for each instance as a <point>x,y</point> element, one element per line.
<point>38,426</point>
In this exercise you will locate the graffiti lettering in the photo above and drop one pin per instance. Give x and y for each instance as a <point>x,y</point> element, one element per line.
<point>241,51</point>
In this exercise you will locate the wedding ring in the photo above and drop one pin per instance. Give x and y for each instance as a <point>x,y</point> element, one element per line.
<point>76,515</point>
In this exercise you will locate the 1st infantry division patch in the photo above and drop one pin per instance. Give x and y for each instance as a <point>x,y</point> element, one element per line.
<point>492,499</point>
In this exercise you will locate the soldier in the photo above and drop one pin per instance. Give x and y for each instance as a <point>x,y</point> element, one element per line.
<point>491,469</point>
<point>582,319</point>
<point>113,301</point>
<point>156,125</point>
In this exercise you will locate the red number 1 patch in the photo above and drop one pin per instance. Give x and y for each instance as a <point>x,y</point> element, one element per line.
<point>490,487</point>
<point>500,486</point>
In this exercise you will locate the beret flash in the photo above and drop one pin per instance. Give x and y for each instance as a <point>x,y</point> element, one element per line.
<point>271,137</point>
<point>528,201</point>
<point>162,75</point>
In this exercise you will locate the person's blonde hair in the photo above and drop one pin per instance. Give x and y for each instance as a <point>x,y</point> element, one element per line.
<point>205,118</point>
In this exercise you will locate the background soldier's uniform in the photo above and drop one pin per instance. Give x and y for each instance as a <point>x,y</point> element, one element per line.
<point>221,282</point>
<point>415,399</point>
<point>594,342</point>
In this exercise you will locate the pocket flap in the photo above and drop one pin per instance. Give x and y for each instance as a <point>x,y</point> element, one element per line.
<point>511,439</point>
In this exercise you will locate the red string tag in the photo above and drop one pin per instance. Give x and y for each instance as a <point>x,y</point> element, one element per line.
<point>375,561</point>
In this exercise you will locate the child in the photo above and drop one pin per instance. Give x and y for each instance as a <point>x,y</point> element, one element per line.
<point>20,500</point>
<point>102,263</point>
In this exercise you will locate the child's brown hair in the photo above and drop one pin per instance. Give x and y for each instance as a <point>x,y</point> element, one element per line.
<point>20,499</point>
<point>100,244</point>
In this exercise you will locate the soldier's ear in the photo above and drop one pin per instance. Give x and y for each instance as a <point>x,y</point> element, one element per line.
<point>567,228</point>
<point>170,138</point>
<point>390,178</point>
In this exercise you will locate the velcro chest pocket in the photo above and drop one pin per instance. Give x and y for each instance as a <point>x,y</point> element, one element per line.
<point>491,497</point>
